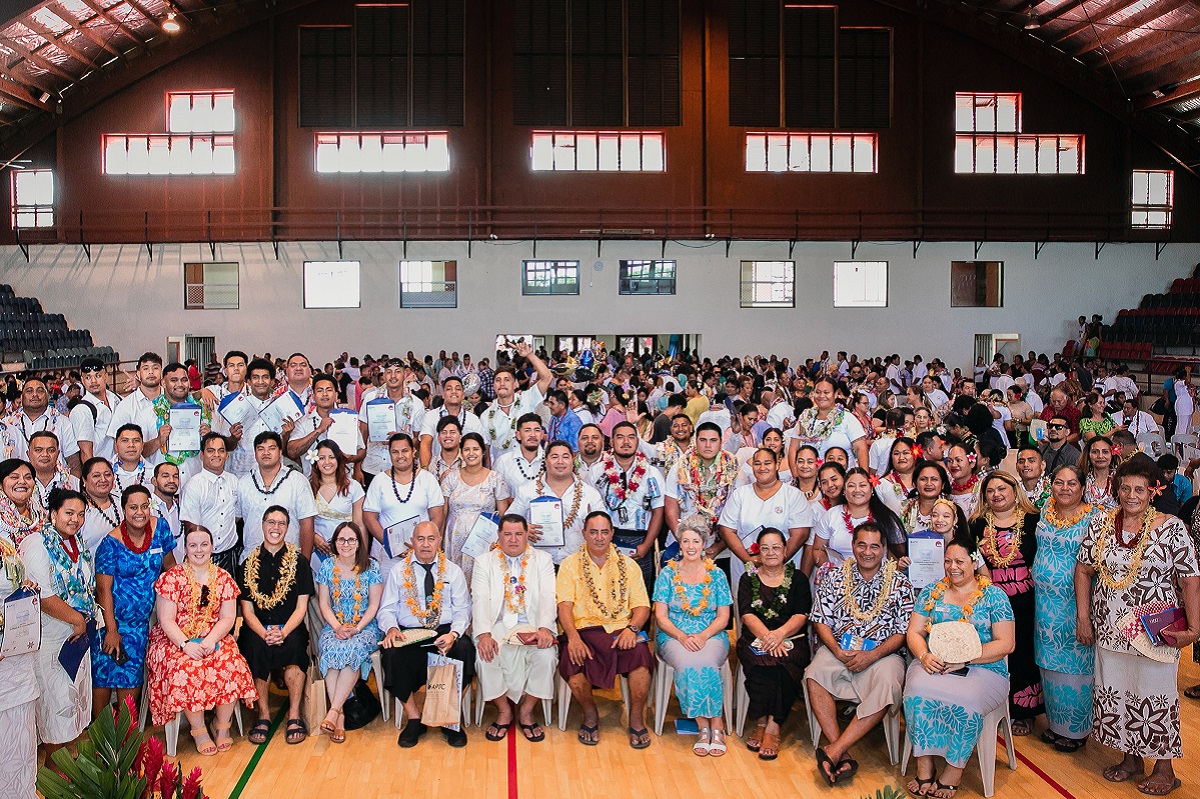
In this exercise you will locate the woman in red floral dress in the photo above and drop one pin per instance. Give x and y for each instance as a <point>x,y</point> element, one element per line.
<point>193,660</point>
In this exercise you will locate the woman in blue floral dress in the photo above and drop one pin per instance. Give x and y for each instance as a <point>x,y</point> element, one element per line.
<point>1066,665</point>
<point>128,561</point>
<point>691,605</point>
<point>944,704</point>
<point>349,588</point>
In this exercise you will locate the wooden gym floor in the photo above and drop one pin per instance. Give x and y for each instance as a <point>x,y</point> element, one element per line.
<point>371,765</point>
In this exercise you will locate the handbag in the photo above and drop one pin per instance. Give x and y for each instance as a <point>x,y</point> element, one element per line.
<point>361,708</point>
<point>315,701</point>
<point>1159,407</point>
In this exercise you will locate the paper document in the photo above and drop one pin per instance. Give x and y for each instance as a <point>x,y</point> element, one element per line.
<point>184,419</point>
<point>483,534</point>
<point>927,551</point>
<point>21,624</point>
<point>284,408</point>
<point>547,513</point>
<point>344,431</point>
<point>234,408</point>
<point>381,419</point>
<point>396,537</point>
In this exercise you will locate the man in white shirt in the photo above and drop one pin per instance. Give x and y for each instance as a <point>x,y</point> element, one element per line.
<point>313,428</point>
<point>409,410</point>
<point>235,382</point>
<point>591,447</point>
<point>521,465</point>
<point>560,481</point>
<point>36,416</point>
<point>138,407</point>
<point>129,468</point>
<point>164,500</point>
<point>780,413</point>
<point>632,490</point>
<point>47,473</point>
<point>718,414</point>
<point>423,591</point>
<point>452,405</point>
<point>1135,420</point>
<point>272,483</point>
<point>210,500</point>
<point>919,369</point>
<point>892,373</point>
<point>261,379</point>
<point>298,372</point>
<point>500,419</point>
<point>93,414</point>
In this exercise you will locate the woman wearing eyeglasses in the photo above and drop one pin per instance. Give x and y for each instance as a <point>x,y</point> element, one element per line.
<point>194,662</point>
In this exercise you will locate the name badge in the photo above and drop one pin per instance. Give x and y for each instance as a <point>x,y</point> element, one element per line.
<point>154,551</point>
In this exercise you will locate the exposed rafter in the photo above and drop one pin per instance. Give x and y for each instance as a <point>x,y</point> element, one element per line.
<point>57,41</point>
<point>91,35</point>
<point>21,96</point>
<point>1090,20</point>
<point>44,63</point>
<point>118,24</point>
<point>1184,45</point>
<point>1061,11</point>
<point>1113,31</point>
<point>1184,91</point>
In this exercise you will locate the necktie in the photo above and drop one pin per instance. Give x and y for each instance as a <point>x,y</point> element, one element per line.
<point>428,567</point>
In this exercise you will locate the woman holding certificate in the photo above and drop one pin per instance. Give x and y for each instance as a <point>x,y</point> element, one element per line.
<point>945,696</point>
<point>1134,563</point>
<point>470,491</point>
<point>18,684</point>
<point>397,500</point>
<point>61,564</point>
<point>1066,664</point>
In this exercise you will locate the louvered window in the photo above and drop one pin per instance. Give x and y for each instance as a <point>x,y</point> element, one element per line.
<point>865,78</point>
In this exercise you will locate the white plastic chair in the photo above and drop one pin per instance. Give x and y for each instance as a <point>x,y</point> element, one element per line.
<point>1180,443</point>
<point>890,724</point>
<point>1153,444</point>
<point>172,727</point>
<point>464,707</point>
<point>664,684</point>
<point>385,698</point>
<point>741,705</point>
<point>564,697</point>
<point>994,723</point>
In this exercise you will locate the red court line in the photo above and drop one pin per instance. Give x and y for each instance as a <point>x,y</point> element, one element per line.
<point>512,767</point>
<point>1045,777</point>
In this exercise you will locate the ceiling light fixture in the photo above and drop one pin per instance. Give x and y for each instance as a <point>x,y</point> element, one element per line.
<point>170,24</point>
<point>1032,22</point>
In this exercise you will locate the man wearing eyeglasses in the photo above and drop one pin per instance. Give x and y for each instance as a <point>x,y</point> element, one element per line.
<point>91,415</point>
<point>1058,450</point>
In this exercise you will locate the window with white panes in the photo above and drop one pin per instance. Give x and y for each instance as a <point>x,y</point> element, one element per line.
<point>394,151</point>
<point>33,198</point>
<point>428,284</point>
<point>812,152</point>
<point>1153,198</point>
<point>200,112</point>
<point>647,277</point>
<point>989,140</point>
<point>768,284</point>
<point>860,284</point>
<point>597,151</point>
<point>168,154</point>
<point>550,277</point>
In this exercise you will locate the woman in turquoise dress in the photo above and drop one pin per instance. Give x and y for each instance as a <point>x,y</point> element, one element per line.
<point>1066,665</point>
<point>128,561</point>
<point>944,704</point>
<point>691,605</point>
<point>349,588</point>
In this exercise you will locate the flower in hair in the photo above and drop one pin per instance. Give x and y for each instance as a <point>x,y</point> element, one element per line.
<point>753,550</point>
<point>918,452</point>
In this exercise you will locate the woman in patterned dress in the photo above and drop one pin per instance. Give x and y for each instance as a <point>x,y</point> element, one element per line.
<point>944,710</point>
<point>1098,467</point>
<point>691,605</point>
<point>348,607</point>
<point>128,562</point>
<point>1003,526</point>
<point>1066,664</point>
<point>194,662</point>
<point>1132,558</point>
<point>18,689</point>
<point>470,490</point>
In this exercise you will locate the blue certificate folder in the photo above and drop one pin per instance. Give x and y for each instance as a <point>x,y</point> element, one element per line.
<point>72,652</point>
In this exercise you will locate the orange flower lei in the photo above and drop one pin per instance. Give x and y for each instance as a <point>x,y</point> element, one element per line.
<point>1050,514</point>
<point>514,598</point>
<point>197,620</point>
<point>705,590</point>
<point>428,617</point>
<point>939,590</point>
<point>337,594</point>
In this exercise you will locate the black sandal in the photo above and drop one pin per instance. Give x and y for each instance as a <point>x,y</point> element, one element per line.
<point>639,739</point>
<point>1069,745</point>
<point>297,732</point>
<point>1050,737</point>
<point>532,732</point>
<point>848,773</point>
<point>823,759</point>
<point>921,786</point>
<point>940,786</point>
<point>259,732</point>
<point>589,735</point>
<point>497,731</point>
<point>1193,692</point>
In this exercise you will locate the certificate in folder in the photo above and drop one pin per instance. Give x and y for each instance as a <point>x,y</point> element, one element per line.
<point>927,553</point>
<point>344,430</point>
<point>184,419</point>
<point>397,536</point>
<point>234,407</point>
<point>287,407</point>
<point>484,533</point>
<point>70,657</point>
<point>21,623</point>
<point>547,513</point>
<point>381,419</point>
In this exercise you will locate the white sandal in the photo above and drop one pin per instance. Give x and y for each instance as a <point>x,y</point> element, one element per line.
<point>701,747</point>
<point>717,747</point>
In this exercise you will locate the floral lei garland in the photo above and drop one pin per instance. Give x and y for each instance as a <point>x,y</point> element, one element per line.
<point>939,590</point>
<point>990,543</point>
<point>287,578</point>
<point>773,610</point>
<point>512,424</point>
<point>428,617</point>
<point>197,622</point>
<point>612,475</point>
<point>618,596</point>
<point>21,526</point>
<point>813,430</point>
<point>337,594</point>
<point>1050,514</point>
<point>857,613</point>
<point>1113,522</point>
<point>690,472</point>
<point>705,590</point>
<point>514,597</point>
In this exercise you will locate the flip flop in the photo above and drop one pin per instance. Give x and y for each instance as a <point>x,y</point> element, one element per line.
<point>921,786</point>
<point>1193,692</point>
<point>823,759</point>
<point>589,735</point>
<point>532,732</point>
<point>297,733</point>
<point>940,786</point>
<point>755,740</point>
<point>849,772</point>
<point>638,739</point>
<point>1069,745</point>
<point>1118,774</point>
<point>1142,787</point>
<point>1050,737</point>
<point>1020,728</point>
<point>497,731</point>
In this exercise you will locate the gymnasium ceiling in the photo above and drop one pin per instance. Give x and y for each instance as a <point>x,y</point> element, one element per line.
<point>1139,59</point>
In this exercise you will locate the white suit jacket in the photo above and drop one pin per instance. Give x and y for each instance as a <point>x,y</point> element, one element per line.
<point>487,592</point>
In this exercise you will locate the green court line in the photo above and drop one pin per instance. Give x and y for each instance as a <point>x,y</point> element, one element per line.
<point>257,756</point>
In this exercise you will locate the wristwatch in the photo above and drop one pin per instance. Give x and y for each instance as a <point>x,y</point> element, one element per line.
<point>635,629</point>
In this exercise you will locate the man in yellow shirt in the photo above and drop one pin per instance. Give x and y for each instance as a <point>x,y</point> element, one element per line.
<point>603,608</point>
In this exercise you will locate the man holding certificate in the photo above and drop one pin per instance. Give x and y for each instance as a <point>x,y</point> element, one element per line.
<point>407,414</point>
<point>452,405</point>
<point>556,502</point>
<point>861,616</point>
<point>244,422</point>
<point>182,420</point>
<point>325,422</point>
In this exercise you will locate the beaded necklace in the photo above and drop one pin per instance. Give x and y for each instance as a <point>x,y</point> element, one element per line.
<point>127,539</point>
<point>412,486</point>
<point>287,577</point>
<point>519,459</point>
<point>139,474</point>
<point>278,482</point>
<point>21,526</point>
<point>112,503</point>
